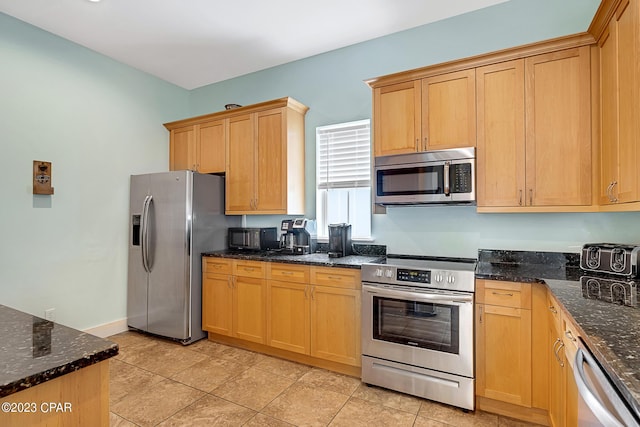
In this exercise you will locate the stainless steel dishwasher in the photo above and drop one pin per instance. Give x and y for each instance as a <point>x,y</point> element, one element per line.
<point>599,403</point>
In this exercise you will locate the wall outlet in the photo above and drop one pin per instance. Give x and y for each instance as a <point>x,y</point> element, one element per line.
<point>50,314</point>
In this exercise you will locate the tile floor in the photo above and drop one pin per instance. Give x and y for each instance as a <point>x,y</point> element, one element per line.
<point>158,382</point>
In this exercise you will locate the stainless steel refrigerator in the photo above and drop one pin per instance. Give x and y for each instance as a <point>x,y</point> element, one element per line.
<point>173,218</point>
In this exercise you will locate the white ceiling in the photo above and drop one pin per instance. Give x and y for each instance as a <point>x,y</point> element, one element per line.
<point>192,43</point>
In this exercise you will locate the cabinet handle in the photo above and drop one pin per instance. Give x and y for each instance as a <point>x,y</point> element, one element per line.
<point>504,294</point>
<point>417,144</point>
<point>531,197</point>
<point>609,187</point>
<point>335,277</point>
<point>249,268</point>
<point>480,308</point>
<point>556,350</point>
<point>313,296</point>
<point>306,289</point>
<point>229,282</point>
<point>255,206</point>
<point>520,198</point>
<point>553,309</point>
<point>569,335</point>
<point>614,199</point>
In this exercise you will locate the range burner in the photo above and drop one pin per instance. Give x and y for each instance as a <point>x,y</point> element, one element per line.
<point>614,291</point>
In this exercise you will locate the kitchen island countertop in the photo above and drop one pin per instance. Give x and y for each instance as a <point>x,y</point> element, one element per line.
<point>34,350</point>
<point>611,331</point>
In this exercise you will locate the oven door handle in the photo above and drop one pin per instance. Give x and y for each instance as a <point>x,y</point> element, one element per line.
<point>420,296</point>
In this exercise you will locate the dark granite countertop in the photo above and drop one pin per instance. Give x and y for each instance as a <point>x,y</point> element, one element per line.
<point>611,331</point>
<point>34,350</point>
<point>320,259</point>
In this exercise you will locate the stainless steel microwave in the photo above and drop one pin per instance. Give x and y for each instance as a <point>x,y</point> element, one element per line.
<point>442,176</point>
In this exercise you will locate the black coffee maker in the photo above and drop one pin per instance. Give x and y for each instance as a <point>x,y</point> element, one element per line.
<point>339,240</point>
<point>299,236</point>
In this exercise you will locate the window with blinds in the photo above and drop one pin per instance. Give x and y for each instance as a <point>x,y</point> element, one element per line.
<point>343,166</point>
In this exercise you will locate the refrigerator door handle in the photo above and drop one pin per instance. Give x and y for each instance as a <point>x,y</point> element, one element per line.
<point>144,231</point>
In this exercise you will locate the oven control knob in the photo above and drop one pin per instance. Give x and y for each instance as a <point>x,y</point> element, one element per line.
<point>388,273</point>
<point>438,278</point>
<point>378,272</point>
<point>451,279</point>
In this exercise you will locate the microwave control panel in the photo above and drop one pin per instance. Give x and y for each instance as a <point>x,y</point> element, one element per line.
<point>461,178</point>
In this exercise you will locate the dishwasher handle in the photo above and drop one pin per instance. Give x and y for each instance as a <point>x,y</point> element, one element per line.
<point>598,408</point>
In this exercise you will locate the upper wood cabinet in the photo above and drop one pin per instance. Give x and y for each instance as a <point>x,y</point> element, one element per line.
<point>534,131</point>
<point>397,119</point>
<point>449,110</point>
<point>620,106</point>
<point>259,147</point>
<point>198,147</point>
<point>433,113</point>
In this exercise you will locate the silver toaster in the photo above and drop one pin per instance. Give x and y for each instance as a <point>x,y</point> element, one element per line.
<point>611,258</point>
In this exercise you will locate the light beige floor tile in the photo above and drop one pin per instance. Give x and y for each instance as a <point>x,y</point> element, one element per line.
<point>261,420</point>
<point>152,404</point>
<point>253,388</point>
<point>360,413</point>
<point>210,411</point>
<point>306,406</point>
<point>125,378</point>
<point>225,352</point>
<point>162,358</point>
<point>426,422</point>
<point>327,380</point>
<point>389,398</point>
<point>456,416</point>
<point>208,374</point>
<point>118,421</point>
<point>285,368</point>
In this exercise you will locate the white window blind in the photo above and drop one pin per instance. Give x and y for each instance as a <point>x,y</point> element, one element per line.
<point>344,155</point>
<point>343,169</point>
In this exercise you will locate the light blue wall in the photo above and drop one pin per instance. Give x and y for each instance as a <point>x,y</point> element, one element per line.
<point>98,122</point>
<point>332,86</point>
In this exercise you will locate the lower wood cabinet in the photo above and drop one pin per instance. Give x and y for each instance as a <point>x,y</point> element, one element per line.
<point>291,309</point>
<point>503,341</point>
<point>233,299</point>
<point>525,345</point>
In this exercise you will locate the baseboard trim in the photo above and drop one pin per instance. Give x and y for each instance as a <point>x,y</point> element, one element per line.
<point>108,329</point>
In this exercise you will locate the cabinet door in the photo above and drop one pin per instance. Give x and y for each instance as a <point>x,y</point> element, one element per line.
<point>217,298</point>
<point>211,147</point>
<point>271,177</point>
<point>503,354</point>
<point>397,119</point>
<point>501,139</point>
<point>289,322</point>
<point>335,324</point>
<point>449,110</point>
<point>241,158</point>
<point>556,377</point>
<point>182,151</point>
<point>558,128</point>
<point>249,319</point>
<point>628,38</point>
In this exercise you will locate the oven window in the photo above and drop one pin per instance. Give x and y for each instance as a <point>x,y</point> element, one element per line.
<point>416,180</point>
<point>417,324</point>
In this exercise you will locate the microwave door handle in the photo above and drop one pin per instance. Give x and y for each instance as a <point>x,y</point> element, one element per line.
<point>447,186</point>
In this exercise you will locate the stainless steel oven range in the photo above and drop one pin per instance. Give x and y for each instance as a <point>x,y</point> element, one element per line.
<point>418,328</point>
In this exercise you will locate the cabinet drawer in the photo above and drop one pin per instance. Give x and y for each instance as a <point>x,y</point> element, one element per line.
<point>216,266</point>
<point>504,294</point>
<point>255,269</point>
<point>336,277</point>
<point>288,273</point>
